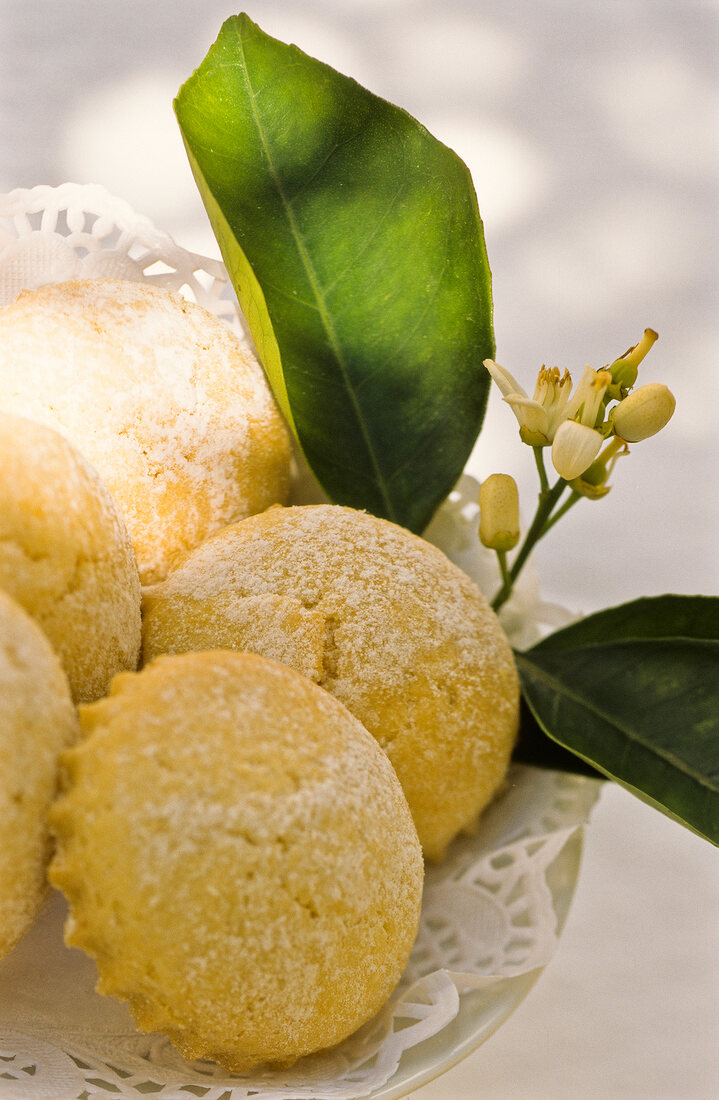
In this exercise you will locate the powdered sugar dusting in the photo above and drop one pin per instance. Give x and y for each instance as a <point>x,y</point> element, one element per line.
<point>226,798</point>
<point>409,643</point>
<point>376,582</point>
<point>37,720</point>
<point>65,555</point>
<point>159,395</point>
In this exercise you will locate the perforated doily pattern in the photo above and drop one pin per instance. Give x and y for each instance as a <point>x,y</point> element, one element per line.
<point>491,912</point>
<point>50,234</point>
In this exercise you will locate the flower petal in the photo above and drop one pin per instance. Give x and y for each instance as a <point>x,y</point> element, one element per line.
<point>574,448</point>
<point>530,415</point>
<point>507,383</point>
<point>587,398</point>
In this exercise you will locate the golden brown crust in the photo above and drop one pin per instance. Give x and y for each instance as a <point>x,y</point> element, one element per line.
<point>238,857</point>
<point>159,396</point>
<point>65,555</point>
<point>407,643</point>
<point>37,721</point>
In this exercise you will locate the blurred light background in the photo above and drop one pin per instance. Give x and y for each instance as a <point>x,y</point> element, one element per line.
<point>592,133</point>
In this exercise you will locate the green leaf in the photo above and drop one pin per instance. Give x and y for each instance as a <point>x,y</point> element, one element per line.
<point>648,617</point>
<point>534,747</point>
<point>634,691</point>
<point>356,249</point>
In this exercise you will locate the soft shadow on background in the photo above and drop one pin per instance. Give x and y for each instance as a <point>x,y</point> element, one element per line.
<point>592,133</point>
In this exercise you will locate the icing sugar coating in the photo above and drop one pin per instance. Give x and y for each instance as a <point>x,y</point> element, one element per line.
<point>380,618</point>
<point>238,857</point>
<point>159,396</point>
<point>65,555</point>
<point>37,721</point>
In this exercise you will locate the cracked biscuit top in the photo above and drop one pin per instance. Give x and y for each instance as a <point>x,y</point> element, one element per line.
<point>377,616</point>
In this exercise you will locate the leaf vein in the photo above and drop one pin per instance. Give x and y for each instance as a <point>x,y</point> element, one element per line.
<point>317,291</point>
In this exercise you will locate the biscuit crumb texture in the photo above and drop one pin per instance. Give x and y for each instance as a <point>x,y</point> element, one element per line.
<point>159,395</point>
<point>238,857</point>
<point>37,721</point>
<point>66,556</point>
<point>380,618</point>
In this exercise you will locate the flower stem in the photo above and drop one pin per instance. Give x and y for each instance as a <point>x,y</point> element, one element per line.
<point>503,567</point>
<point>548,499</point>
<point>539,459</point>
<point>572,500</point>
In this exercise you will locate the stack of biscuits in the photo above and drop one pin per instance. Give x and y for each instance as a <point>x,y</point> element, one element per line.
<point>233,729</point>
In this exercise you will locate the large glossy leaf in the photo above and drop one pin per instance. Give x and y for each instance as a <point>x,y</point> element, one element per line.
<point>634,691</point>
<point>355,245</point>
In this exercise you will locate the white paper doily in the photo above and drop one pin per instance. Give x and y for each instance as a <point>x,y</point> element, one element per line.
<point>492,911</point>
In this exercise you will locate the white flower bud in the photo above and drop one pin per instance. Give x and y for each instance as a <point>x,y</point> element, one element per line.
<point>499,512</point>
<point>644,412</point>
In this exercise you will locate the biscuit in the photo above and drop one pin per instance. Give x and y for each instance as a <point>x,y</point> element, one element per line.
<point>65,555</point>
<point>159,396</point>
<point>238,857</point>
<point>384,621</point>
<point>37,721</point>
